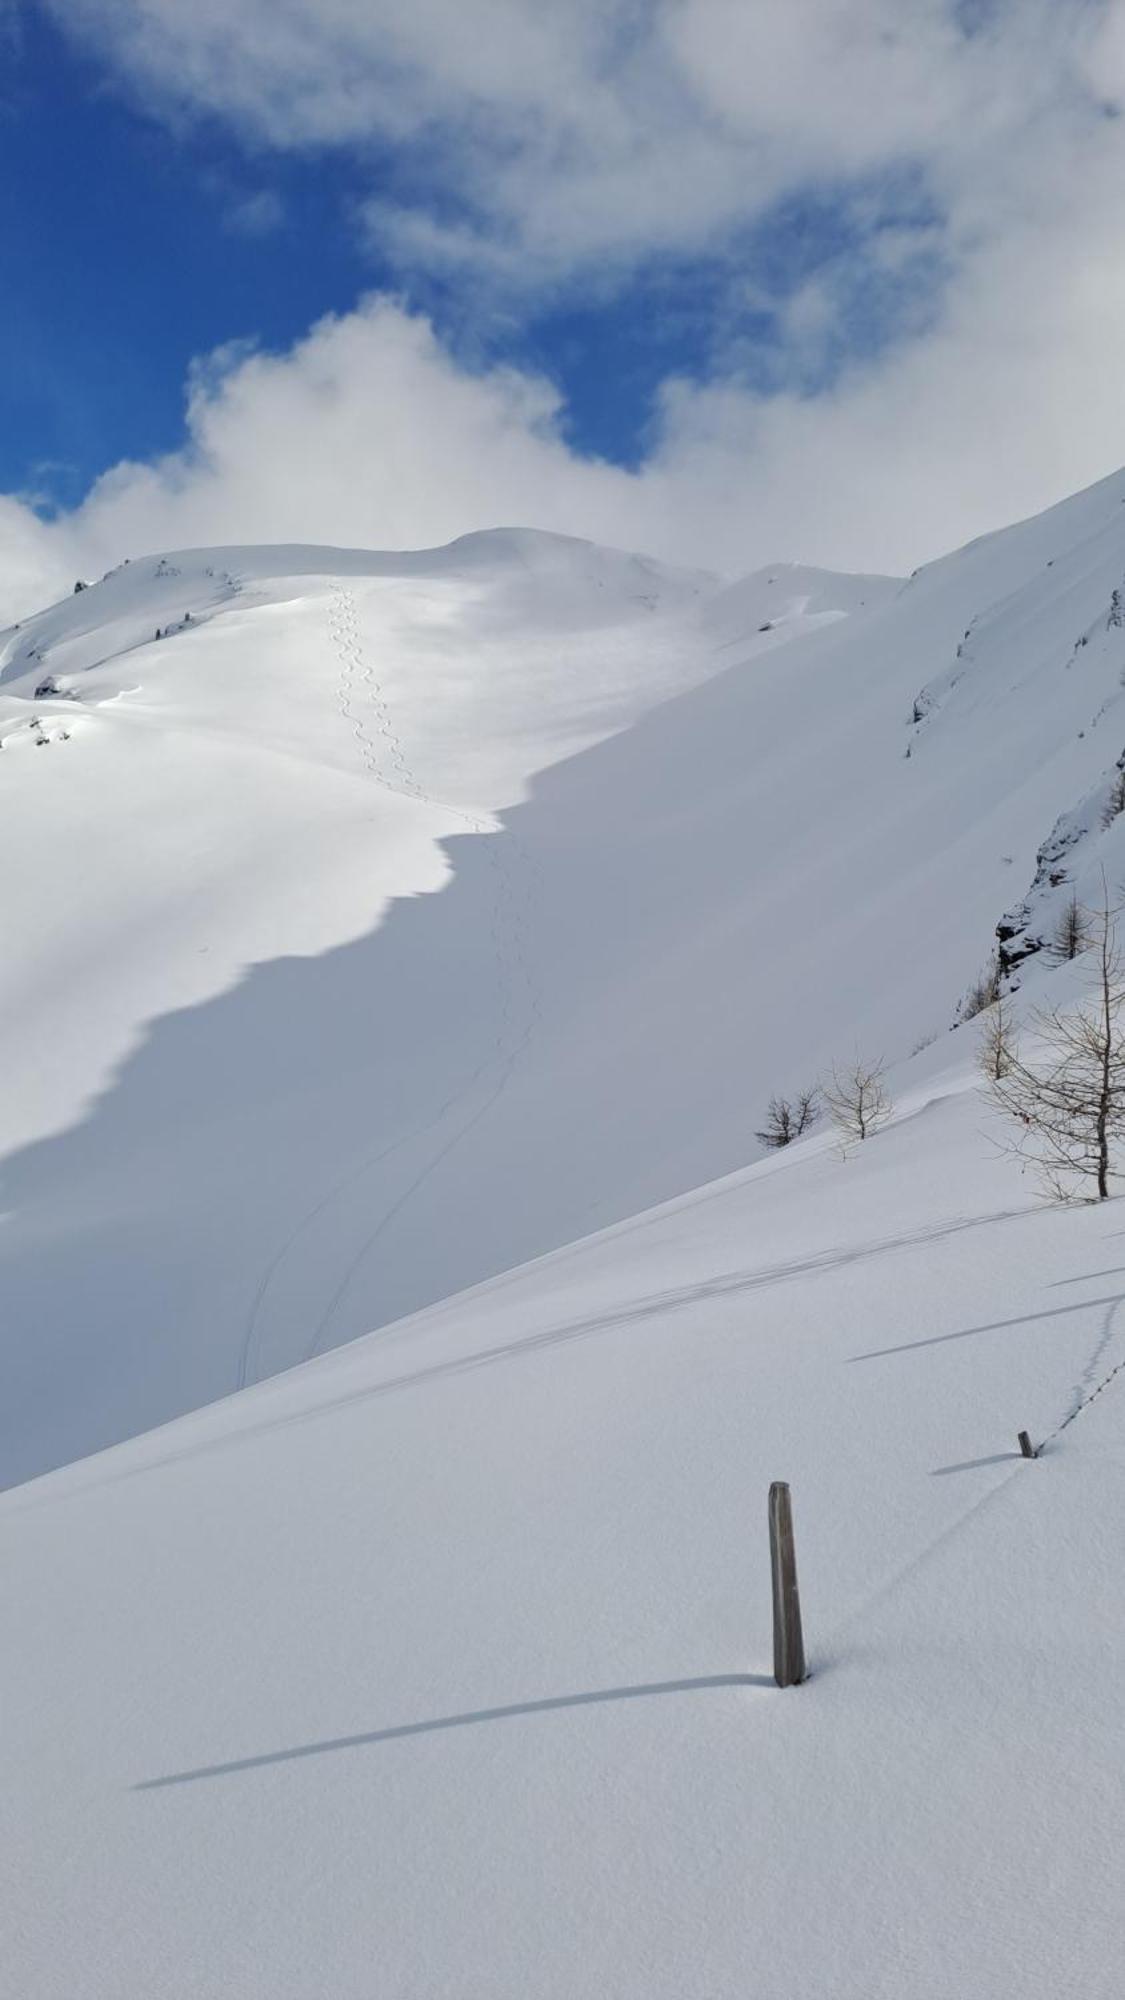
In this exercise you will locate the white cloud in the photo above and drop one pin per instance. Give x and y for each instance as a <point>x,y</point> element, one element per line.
<point>614,129</point>
<point>35,558</point>
<point>367,433</point>
<point>259,214</point>
<point>625,128</point>
<point>370,433</point>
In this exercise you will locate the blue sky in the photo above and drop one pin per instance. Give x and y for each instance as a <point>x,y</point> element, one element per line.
<point>133,244</point>
<point>124,258</point>
<point>841,281</point>
<point>131,248</point>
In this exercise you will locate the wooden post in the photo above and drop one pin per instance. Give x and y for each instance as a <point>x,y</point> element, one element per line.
<point>1026,1446</point>
<point>788,1643</point>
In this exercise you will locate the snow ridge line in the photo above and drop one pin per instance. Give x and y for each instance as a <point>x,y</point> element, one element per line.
<point>517,1017</point>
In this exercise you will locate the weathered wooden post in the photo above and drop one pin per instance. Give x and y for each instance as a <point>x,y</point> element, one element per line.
<point>788,1643</point>
<point>1026,1446</point>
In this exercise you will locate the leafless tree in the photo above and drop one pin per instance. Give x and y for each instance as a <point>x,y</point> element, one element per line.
<point>984,991</point>
<point>1067,1097</point>
<point>1073,932</point>
<point>856,1097</point>
<point>787,1118</point>
<point>808,1108</point>
<point>995,1053</point>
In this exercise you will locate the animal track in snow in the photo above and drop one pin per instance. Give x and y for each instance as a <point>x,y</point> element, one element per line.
<point>519,1011</point>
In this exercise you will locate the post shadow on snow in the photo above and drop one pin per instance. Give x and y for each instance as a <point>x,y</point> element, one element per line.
<point>512,1709</point>
<point>973,1464</point>
<point>1086,1277</point>
<point>990,1326</point>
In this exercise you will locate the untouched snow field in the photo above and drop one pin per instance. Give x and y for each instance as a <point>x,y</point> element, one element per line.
<point>441,1665</point>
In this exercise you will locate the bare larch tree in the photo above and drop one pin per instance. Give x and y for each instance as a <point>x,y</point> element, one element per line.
<point>857,1099</point>
<point>1067,1097</point>
<point>787,1118</point>
<point>1072,934</point>
<point>995,1053</point>
<point>984,991</point>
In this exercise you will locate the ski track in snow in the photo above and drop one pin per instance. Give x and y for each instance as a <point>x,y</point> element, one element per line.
<point>634,1311</point>
<point>517,989</point>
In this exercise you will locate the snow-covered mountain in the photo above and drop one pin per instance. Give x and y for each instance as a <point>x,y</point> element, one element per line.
<point>390,920</point>
<point>254,1052</point>
<point>385,923</point>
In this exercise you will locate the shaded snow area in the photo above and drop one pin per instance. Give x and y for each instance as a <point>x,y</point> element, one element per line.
<point>282,989</point>
<point>441,1665</point>
<point>398,919</point>
<point>400,954</point>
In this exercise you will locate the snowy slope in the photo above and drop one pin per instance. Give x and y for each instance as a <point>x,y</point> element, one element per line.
<point>441,1666</point>
<point>242,786</point>
<point>315,736</point>
<point>691,843</point>
<point>392,920</point>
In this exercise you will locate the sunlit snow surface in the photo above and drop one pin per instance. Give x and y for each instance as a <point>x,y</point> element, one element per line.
<point>395,919</point>
<point>441,1666</point>
<point>391,921</point>
<point>282,989</point>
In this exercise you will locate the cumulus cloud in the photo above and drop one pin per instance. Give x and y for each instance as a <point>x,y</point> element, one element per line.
<point>595,134</point>
<point>370,433</point>
<point>367,433</point>
<point>33,558</point>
